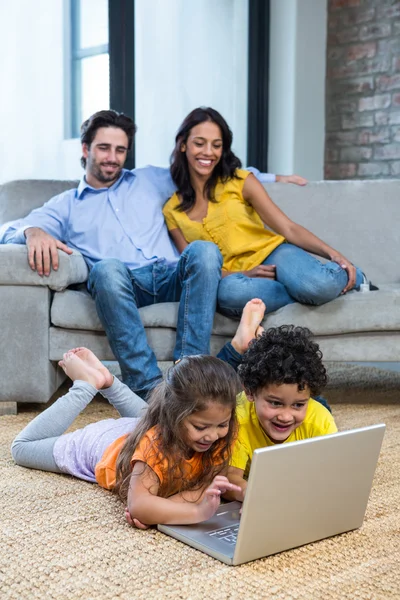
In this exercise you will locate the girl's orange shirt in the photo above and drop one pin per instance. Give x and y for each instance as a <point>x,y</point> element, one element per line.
<point>231,223</point>
<point>148,452</point>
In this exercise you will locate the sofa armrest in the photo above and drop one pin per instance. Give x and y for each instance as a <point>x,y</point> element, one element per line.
<point>15,270</point>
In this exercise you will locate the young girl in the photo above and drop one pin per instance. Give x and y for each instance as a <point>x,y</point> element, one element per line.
<point>169,465</point>
<point>217,201</point>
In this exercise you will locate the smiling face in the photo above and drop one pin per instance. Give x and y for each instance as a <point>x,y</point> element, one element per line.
<point>106,156</point>
<point>203,149</point>
<point>202,428</point>
<point>280,409</point>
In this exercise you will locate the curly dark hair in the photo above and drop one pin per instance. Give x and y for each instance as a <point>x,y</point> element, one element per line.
<point>224,170</point>
<point>284,354</point>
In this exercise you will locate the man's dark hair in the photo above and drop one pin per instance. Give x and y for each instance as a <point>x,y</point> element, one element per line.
<point>106,118</point>
<point>285,354</point>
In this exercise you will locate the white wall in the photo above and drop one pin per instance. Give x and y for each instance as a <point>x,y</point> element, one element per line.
<point>297,87</point>
<point>191,54</point>
<point>32,96</point>
<point>188,54</point>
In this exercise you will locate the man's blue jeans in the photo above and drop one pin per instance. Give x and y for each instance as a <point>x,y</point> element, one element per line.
<point>119,293</point>
<point>300,277</point>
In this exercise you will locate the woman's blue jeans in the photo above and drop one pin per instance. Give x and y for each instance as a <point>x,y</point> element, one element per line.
<point>300,277</point>
<point>119,292</point>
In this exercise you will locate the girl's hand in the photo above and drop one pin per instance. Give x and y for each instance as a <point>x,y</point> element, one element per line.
<point>134,522</point>
<point>212,496</point>
<point>263,271</point>
<point>350,268</point>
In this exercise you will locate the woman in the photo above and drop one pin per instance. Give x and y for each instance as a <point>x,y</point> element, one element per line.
<point>219,202</point>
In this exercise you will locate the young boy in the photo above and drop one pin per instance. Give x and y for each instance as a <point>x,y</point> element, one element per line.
<point>280,370</point>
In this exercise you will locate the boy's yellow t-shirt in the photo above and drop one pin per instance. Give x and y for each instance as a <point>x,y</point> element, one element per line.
<point>318,421</point>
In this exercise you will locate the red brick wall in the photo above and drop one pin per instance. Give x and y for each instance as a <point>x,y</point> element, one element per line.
<point>363,90</point>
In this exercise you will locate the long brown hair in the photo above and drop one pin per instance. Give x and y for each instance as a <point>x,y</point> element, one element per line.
<point>224,170</point>
<point>188,387</point>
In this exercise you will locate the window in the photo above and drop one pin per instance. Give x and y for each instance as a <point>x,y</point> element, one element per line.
<point>89,67</point>
<point>167,57</point>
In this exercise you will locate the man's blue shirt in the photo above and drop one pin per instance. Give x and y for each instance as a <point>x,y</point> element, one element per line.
<point>124,221</point>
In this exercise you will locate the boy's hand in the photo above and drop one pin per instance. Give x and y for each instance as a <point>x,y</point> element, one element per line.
<point>134,522</point>
<point>236,476</point>
<point>212,496</point>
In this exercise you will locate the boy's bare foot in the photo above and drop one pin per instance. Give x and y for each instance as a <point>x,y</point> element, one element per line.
<point>91,360</point>
<point>249,326</point>
<point>76,368</point>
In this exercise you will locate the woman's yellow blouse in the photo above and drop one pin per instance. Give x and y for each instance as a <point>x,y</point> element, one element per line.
<point>231,223</point>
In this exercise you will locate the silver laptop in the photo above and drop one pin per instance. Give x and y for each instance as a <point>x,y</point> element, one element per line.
<point>297,493</point>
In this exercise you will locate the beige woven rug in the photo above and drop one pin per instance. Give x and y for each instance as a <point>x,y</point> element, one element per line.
<point>64,538</point>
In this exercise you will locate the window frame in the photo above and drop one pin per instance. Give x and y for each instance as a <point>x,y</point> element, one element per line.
<point>121,41</point>
<point>77,54</point>
<point>258,84</point>
<point>121,50</point>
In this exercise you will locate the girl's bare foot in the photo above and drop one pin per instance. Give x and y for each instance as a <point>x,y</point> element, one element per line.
<point>88,357</point>
<point>249,326</point>
<point>76,368</point>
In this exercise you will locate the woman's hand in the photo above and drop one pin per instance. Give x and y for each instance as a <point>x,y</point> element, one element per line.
<point>212,496</point>
<point>263,271</point>
<point>348,266</point>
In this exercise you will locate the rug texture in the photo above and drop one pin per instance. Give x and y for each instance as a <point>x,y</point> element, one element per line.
<point>63,538</point>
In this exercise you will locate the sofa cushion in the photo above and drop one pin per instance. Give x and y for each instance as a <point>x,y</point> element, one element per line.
<point>75,309</point>
<point>353,313</point>
<point>14,269</point>
<point>352,216</point>
<point>18,198</point>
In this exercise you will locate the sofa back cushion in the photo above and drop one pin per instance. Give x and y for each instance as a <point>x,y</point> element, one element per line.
<point>360,219</point>
<point>18,198</point>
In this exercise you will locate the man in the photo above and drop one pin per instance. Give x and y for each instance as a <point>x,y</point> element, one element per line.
<point>114,219</point>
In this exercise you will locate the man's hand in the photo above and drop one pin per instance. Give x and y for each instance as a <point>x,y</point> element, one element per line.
<point>296,179</point>
<point>42,250</point>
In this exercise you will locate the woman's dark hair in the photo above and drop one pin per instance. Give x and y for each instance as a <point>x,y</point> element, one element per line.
<point>189,386</point>
<point>285,354</point>
<point>224,170</point>
<point>106,118</point>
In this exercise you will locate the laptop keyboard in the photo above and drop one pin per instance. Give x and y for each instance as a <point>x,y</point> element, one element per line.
<point>227,534</point>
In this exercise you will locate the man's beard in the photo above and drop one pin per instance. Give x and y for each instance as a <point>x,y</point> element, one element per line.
<point>96,171</point>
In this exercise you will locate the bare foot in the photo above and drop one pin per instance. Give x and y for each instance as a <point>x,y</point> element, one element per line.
<point>249,326</point>
<point>76,368</point>
<point>91,360</point>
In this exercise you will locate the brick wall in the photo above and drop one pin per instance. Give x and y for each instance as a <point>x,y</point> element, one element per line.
<point>363,90</point>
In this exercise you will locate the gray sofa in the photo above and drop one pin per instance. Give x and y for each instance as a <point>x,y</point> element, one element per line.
<point>41,318</point>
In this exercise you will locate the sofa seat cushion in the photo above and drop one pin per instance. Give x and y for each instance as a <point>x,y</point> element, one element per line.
<point>353,313</point>
<point>75,309</point>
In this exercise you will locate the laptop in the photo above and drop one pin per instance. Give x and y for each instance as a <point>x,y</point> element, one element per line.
<point>297,493</point>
